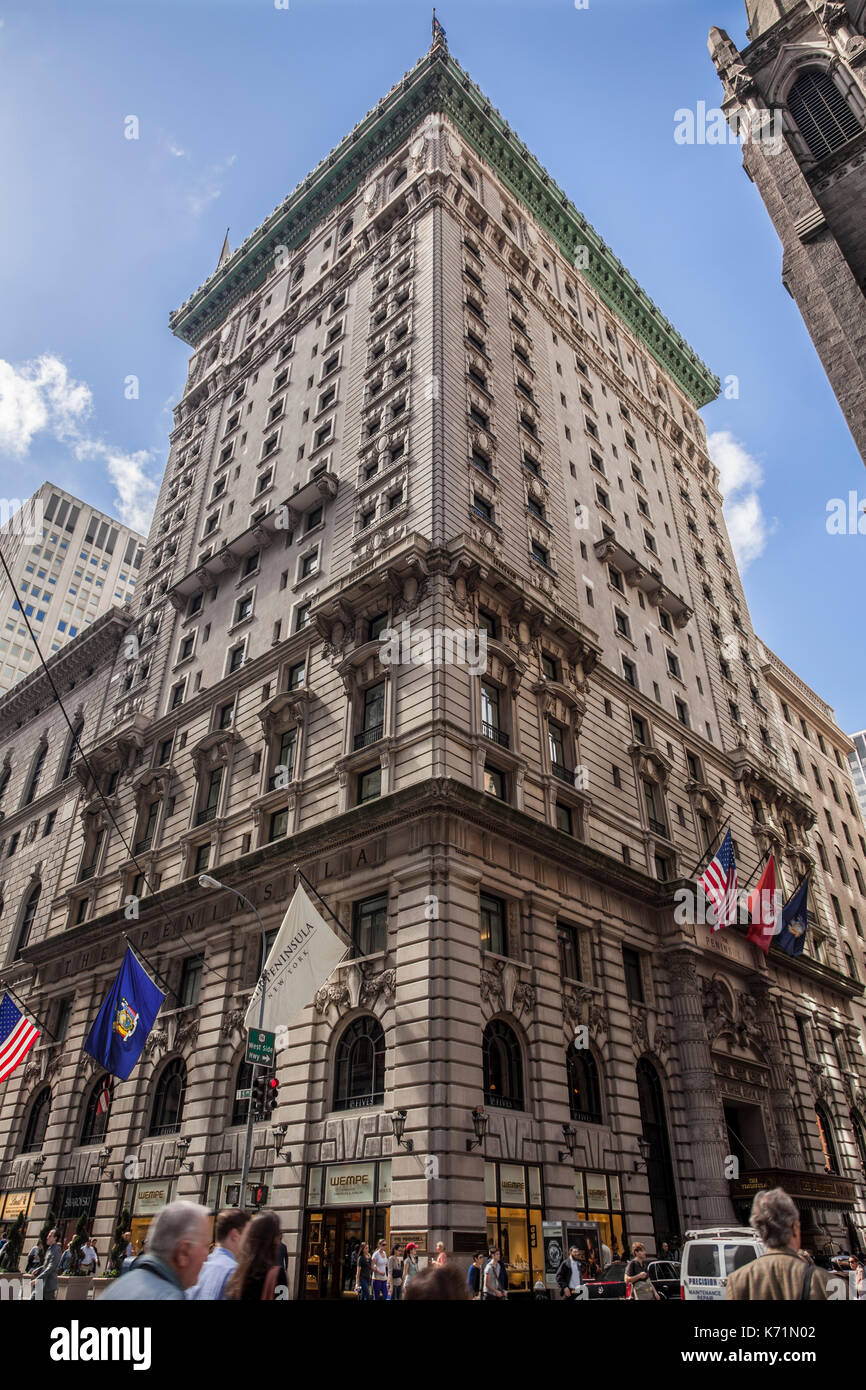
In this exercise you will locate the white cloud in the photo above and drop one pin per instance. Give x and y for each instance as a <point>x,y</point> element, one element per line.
<point>176,150</point>
<point>208,186</point>
<point>740,478</point>
<point>40,397</point>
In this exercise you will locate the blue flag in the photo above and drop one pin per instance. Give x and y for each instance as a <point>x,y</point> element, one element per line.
<point>121,1027</point>
<point>794,920</point>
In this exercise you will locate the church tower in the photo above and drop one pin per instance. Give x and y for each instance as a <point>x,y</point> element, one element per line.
<point>804,68</point>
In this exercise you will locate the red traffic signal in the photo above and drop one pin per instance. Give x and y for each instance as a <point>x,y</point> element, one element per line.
<point>272,1095</point>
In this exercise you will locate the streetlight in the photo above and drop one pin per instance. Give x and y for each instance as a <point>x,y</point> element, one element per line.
<point>102,1159</point>
<point>398,1124</point>
<point>480,1121</point>
<point>36,1167</point>
<point>206,881</point>
<point>181,1146</point>
<point>569,1134</point>
<point>279,1133</point>
<point>644,1148</point>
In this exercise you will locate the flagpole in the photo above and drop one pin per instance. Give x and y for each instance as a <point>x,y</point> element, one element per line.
<point>759,864</point>
<point>710,850</point>
<point>138,952</point>
<point>344,935</point>
<point>24,1008</point>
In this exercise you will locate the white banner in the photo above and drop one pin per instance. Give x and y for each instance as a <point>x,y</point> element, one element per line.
<point>299,962</point>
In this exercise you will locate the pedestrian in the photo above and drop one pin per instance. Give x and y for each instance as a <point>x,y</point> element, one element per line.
<point>779,1273</point>
<point>284,1259</point>
<point>363,1272</point>
<point>33,1260</point>
<point>474,1274</point>
<point>606,1257</point>
<point>441,1255</point>
<point>494,1281</point>
<point>221,1264</point>
<point>637,1275</point>
<point>65,1258</point>
<point>856,1265</point>
<point>89,1258</point>
<point>49,1268</point>
<point>395,1273</point>
<point>568,1275</point>
<point>410,1265</point>
<point>129,1253</point>
<point>439,1282</point>
<point>379,1264</point>
<point>259,1273</point>
<point>175,1252</point>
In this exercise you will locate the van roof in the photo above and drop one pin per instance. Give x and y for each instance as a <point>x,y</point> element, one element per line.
<point>722,1233</point>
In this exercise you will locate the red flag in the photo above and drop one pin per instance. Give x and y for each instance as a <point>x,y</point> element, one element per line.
<point>762,908</point>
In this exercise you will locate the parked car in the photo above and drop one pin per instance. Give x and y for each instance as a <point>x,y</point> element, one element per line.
<point>709,1256</point>
<point>610,1283</point>
<point>665,1278</point>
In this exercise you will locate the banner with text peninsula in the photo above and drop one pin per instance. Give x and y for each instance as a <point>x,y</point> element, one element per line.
<point>299,962</point>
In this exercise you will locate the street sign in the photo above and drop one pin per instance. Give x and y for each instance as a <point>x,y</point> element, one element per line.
<point>243,1094</point>
<point>260,1047</point>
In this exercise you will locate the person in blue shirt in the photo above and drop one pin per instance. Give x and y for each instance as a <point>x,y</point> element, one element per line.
<point>220,1265</point>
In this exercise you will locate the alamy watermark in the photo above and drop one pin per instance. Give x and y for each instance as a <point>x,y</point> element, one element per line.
<point>705,125</point>
<point>438,646</point>
<point>23,519</point>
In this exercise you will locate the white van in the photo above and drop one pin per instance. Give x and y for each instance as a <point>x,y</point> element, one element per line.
<point>710,1256</point>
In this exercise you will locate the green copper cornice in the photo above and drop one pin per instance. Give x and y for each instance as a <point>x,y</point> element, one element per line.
<point>438,84</point>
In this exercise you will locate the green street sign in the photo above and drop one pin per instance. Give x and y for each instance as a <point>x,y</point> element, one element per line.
<point>260,1047</point>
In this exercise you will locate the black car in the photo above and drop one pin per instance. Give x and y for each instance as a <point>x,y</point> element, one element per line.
<point>664,1275</point>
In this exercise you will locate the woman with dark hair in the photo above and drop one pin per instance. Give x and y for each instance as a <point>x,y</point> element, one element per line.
<point>363,1273</point>
<point>259,1272</point>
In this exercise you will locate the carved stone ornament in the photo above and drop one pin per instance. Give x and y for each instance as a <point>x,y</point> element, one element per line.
<point>718,1014</point>
<point>832,13</point>
<point>818,1081</point>
<point>661,1042</point>
<point>491,985</point>
<point>523,999</point>
<point>385,983</point>
<point>639,1033</point>
<point>186,1034</point>
<point>233,1022</point>
<point>336,994</point>
<point>371,197</point>
<point>583,1007</point>
<point>157,1044</point>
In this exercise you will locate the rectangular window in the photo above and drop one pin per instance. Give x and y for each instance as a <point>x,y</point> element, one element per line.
<point>369,785</point>
<point>190,980</point>
<point>370,925</point>
<point>633,975</point>
<point>494,931</point>
<point>569,951</point>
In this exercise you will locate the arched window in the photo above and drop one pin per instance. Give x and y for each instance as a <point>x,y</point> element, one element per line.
<point>359,1066</point>
<point>243,1083</point>
<point>828,1143</point>
<point>97,1110</point>
<point>399,178</point>
<point>508,222</point>
<point>503,1066</point>
<point>37,1122</point>
<point>71,748</point>
<point>36,773</point>
<point>859,1129</point>
<point>468,176</point>
<point>659,1171</point>
<point>584,1092</point>
<point>298,275</point>
<point>168,1099</point>
<point>346,228</point>
<point>27,918</point>
<point>823,115</point>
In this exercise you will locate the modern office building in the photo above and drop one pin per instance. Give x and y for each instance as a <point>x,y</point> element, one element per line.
<point>70,564</point>
<point>857,763</point>
<point>427,404</point>
<point>801,82</point>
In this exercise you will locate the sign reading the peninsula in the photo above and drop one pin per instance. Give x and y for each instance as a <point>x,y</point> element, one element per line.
<point>301,959</point>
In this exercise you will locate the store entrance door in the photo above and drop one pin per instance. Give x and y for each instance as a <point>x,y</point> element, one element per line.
<point>332,1241</point>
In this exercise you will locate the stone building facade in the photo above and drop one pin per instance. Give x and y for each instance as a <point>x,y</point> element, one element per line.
<point>806,64</point>
<point>424,398</point>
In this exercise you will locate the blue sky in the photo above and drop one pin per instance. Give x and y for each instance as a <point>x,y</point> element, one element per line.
<point>237,100</point>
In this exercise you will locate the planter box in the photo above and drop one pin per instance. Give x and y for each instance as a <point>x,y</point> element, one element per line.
<point>75,1288</point>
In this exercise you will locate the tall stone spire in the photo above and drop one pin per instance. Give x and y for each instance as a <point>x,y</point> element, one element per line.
<point>226,251</point>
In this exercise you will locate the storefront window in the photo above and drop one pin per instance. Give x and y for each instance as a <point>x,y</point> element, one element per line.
<point>514,1221</point>
<point>598,1197</point>
<point>354,1206</point>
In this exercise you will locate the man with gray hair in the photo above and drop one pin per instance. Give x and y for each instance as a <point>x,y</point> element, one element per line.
<point>176,1249</point>
<point>779,1273</point>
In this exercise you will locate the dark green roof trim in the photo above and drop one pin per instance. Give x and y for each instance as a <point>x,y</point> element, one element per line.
<point>438,84</point>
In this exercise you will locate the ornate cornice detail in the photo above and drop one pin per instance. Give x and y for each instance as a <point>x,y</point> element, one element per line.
<point>438,85</point>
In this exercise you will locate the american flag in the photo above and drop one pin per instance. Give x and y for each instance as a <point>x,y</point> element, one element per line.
<point>719,882</point>
<point>17,1036</point>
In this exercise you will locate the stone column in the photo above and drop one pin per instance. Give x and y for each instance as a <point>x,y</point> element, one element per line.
<point>782,1081</point>
<point>703,1113</point>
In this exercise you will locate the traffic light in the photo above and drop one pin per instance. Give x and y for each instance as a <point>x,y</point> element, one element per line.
<point>259,1094</point>
<point>272,1095</point>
